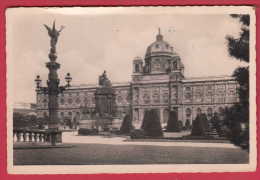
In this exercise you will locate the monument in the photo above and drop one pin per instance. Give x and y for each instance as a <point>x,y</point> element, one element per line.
<point>53,89</point>
<point>105,102</point>
<point>104,116</point>
<point>105,97</point>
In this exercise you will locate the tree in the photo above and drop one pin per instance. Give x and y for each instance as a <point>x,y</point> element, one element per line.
<point>19,120</point>
<point>24,121</point>
<point>241,74</point>
<point>239,49</point>
<point>151,124</point>
<point>200,126</point>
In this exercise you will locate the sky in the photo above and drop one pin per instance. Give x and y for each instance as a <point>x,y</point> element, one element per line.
<point>98,39</point>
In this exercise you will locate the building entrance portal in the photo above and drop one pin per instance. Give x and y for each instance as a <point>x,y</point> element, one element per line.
<point>165,116</point>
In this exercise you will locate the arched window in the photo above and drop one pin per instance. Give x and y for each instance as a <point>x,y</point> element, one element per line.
<point>45,114</point>
<point>174,65</point>
<point>62,101</point>
<point>78,101</point>
<point>156,65</point>
<point>165,97</point>
<point>221,110</point>
<point>209,111</point>
<point>156,97</point>
<point>119,99</point>
<point>146,98</point>
<point>70,101</point>
<point>198,110</point>
<point>187,94</point>
<point>188,112</point>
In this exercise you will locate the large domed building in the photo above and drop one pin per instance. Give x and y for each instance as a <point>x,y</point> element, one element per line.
<point>158,82</point>
<point>160,57</point>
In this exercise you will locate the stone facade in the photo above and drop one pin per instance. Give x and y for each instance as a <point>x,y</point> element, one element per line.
<point>157,82</point>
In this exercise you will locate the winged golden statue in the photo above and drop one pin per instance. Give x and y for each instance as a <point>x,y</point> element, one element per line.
<point>54,34</point>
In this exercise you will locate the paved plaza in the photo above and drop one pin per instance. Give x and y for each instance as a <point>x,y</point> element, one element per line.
<point>80,150</point>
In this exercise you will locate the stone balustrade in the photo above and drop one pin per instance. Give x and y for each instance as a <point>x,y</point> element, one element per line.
<point>35,136</point>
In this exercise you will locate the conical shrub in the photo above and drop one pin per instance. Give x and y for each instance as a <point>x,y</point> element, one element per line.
<point>126,126</point>
<point>151,123</point>
<point>173,125</point>
<point>200,126</point>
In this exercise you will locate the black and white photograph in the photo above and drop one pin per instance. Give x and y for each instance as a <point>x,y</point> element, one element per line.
<point>131,89</point>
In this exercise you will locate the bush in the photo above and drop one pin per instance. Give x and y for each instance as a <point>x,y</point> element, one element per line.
<point>83,131</point>
<point>234,117</point>
<point>126,126</point>
<point>151,124</point>
<point>173,125</point>
<point>236,133</point>
<point>137,134</point>
<point>244,143</point>
<point>200,126</point>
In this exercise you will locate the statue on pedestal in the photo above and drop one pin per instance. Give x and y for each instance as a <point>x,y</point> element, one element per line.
<point>105,100</point>
<point>104,81</point>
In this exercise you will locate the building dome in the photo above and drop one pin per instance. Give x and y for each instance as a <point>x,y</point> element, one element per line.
<point>159,47</point>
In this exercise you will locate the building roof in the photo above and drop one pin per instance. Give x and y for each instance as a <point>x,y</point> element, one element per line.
<point>186,80</point>
<point>86,86</point>
<point>208,78</point>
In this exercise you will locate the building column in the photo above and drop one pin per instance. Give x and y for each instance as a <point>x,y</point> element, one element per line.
<point>192,116</point>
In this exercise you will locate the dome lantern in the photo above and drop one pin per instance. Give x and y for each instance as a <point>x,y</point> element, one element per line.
<point>159,37</point>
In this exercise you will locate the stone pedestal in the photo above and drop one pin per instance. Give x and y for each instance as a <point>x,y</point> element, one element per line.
<point>105,101</point>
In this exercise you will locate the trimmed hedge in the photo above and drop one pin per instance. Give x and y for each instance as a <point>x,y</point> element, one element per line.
<point>83,131</point>
<point>151,123</point>
<point>137,134</point>
<point>173,124</point>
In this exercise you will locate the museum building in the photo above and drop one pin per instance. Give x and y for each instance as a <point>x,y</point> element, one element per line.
<point>158,82</point>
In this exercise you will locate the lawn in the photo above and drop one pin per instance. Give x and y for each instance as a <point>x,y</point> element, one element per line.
<point>85,154</point>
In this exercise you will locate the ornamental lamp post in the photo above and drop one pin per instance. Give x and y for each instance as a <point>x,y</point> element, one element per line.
<point>53,89</point>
